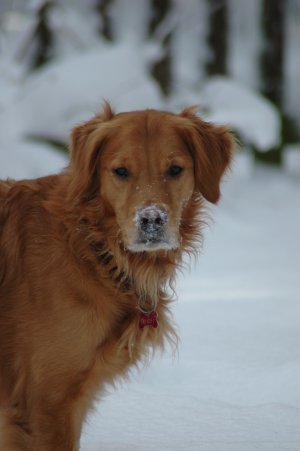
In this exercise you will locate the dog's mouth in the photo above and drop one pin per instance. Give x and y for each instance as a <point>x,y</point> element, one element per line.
<point>153,243</point>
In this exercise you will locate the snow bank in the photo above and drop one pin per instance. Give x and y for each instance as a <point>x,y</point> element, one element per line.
<point>226,101</point>
<point>51,101</point>
<point>250,114</point>
<point>291,159</point>
<point>24,159</point>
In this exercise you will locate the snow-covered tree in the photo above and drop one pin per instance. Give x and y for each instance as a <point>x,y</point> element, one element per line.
<point>177,45</point>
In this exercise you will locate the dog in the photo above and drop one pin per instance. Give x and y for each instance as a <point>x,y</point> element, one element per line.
<point>86,259</point>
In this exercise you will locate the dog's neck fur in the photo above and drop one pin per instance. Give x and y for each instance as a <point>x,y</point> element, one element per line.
<point>143,273</point>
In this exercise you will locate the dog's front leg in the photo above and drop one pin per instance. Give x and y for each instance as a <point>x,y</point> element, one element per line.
<point>55,427</point>
<point>45,429</point>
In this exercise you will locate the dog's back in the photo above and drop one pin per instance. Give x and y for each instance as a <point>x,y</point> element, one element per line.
<point>4,189</point>
<point>18,200</point>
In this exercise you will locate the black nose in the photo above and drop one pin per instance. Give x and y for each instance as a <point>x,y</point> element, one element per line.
<point>152,219</point>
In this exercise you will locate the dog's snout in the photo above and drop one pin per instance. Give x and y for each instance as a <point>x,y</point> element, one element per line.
<point>151,219</point>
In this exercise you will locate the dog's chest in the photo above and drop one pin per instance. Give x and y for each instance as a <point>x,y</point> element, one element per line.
<point>129,342</point>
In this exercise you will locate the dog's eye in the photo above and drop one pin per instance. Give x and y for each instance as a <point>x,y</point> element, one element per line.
<point>174,170</point>
<point>122,173</point>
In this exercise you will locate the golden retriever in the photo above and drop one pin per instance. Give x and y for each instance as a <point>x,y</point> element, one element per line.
<point>86,257</point>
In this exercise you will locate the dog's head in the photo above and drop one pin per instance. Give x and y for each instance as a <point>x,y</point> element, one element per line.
<point>145,167</point>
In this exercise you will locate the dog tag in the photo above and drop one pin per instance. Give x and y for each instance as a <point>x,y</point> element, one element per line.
<point>148,319</point>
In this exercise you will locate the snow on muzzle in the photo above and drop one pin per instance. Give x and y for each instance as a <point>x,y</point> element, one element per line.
<point>152,233</point>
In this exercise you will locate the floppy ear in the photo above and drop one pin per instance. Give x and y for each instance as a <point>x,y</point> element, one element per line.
<point>86,143</point>
<point>211,148</point>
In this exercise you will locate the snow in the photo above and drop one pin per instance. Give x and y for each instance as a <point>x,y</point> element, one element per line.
<point>189,33</point>
<point>130,27</point>
<point>234,385</point>
<point>291,159</point>
<point>66,20</point>
<point>245,111</point>
<point>71,89</point>
<point>23,159</point>
<point>245,41</point>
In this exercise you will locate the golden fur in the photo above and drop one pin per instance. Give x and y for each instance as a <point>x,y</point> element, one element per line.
<point>74,275</point>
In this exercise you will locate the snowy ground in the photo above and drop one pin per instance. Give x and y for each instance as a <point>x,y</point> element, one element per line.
<point>235,383</point>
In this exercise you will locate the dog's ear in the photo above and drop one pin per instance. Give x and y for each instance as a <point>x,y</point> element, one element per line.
<point>86,143</point>
<point>211,148</point>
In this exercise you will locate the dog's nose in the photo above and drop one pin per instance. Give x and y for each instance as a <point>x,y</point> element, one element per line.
<point>152,219</point>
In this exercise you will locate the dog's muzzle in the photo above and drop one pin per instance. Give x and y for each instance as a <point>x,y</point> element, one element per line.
<point>152,230</point>
<point>151,222</point>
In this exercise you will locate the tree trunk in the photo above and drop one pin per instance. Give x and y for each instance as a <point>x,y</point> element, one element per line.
<point>217,37</point>
<point>273,50</point>
<point>102,7</point>
<point>42,37</point>
<point>272,65</point>
<point>292,71</point>
<point>161,70</point>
